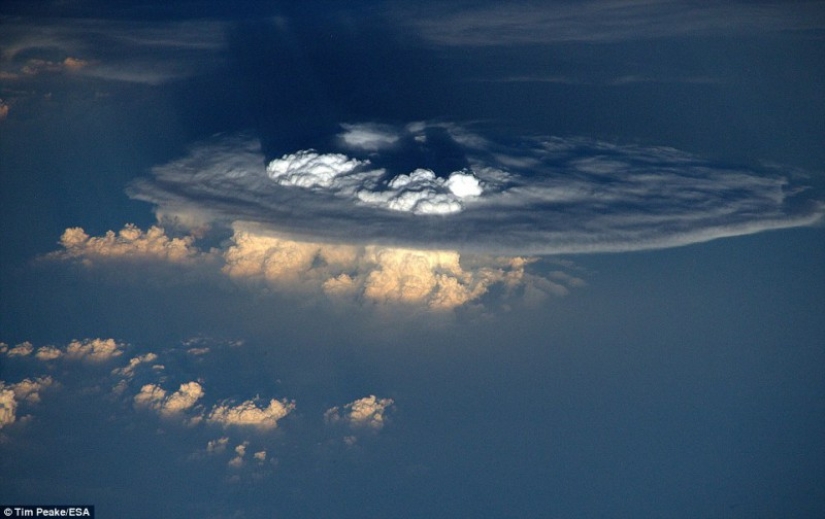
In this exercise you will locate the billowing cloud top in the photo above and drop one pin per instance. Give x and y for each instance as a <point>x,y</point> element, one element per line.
<point>365,412</point>
<point>419,192</point>
<point>370,275</point>
<point>466,191</point>
<point>94,350</point>
<point>249,414</point>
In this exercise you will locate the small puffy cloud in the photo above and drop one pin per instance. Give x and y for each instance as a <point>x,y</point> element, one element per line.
<point>154,397</point>
<point>248,414</point>
<point>240,452</point>
<point>183,399</point>
<point>367,412</point>
<point>4,109</point>
<point>129,370</point>
<point>8,406</point>
<point>24,349</point>
<point>217,446</point>
<point>130,243</point>
<point>72,63</point>
<point>95,350</point>
<point>29,389</point>
<point>369,137</point>
<point>48,353</point>
<point>260,456</point>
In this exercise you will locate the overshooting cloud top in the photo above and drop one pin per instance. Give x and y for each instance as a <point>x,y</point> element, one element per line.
<point>533,195</point>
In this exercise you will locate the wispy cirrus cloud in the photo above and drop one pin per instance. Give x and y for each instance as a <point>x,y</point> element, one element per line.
<point>600,21</point>
<point>114,50</point>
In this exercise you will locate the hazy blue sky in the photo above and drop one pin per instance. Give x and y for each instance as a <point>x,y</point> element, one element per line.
<point>394,259</point>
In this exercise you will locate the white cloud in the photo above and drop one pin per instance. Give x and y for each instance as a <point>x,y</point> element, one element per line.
<point>8,406</point>
<point>154,397</point>
<point>367,412</point>
<point>369,137</point>
<point>248,414</point>
<point>418,192</point>
<point>538,195</point>
<point>309,168</point>
<point>95,350</point>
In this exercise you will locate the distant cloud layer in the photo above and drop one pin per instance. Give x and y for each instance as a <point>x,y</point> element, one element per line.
<point>124,51</point>
<point>536,195</point>
<point>608,21</point>
<point>189,404</point>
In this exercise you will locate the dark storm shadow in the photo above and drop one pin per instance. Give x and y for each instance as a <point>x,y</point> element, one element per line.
<point>300,77</point>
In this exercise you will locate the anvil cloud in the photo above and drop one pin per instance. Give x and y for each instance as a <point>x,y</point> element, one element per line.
<point>532,195</point>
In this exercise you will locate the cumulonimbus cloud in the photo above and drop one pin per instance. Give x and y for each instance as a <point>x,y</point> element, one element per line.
<point>373,274</point>
<point>419,191</point>
<point>536,195</point>
<point>438,280</point>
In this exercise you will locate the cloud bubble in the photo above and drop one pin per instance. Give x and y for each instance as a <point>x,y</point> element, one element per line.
<point>419,192</point>
<point>536,195</point>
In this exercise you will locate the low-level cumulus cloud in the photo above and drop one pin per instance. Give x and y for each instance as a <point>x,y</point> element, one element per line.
<point>370,275</point>
<point>250,414</point>
<point>367,412</point>
<point>152,396</point>
<point>515,196</point>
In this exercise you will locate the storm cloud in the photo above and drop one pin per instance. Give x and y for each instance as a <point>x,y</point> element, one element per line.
<point>531,195</point>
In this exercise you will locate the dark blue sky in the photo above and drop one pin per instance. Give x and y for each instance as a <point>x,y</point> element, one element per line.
<point>480,260</point>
